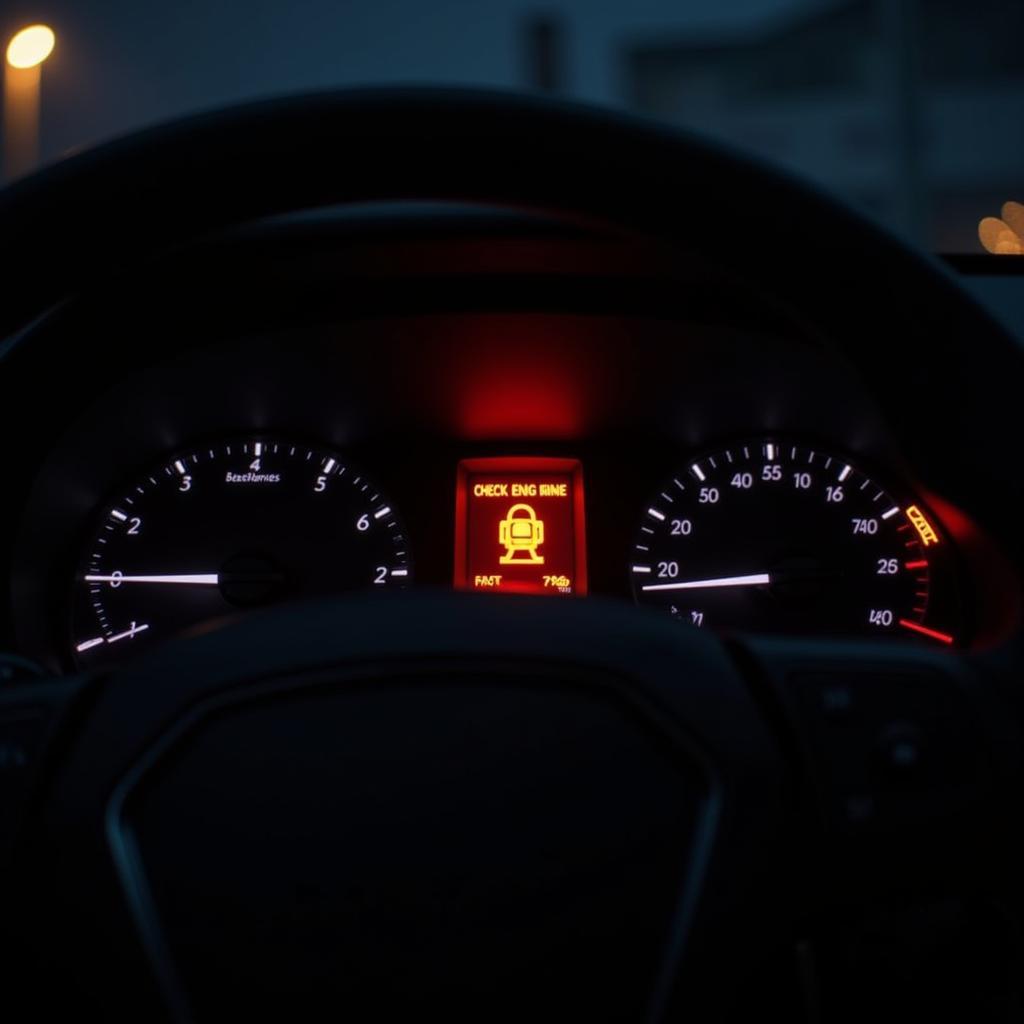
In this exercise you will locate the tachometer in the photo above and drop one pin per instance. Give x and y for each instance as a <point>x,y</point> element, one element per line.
<point>776,537</point>
<point>226,527</point>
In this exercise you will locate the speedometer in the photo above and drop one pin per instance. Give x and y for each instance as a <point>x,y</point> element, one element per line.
<point>776,537</point>
<point>225,527</point>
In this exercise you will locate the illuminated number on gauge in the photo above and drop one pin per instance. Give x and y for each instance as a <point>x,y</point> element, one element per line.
<point>793,540</point>
<point>227,527</point>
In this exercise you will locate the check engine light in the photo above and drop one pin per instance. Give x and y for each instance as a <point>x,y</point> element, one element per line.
<point>519,526</point>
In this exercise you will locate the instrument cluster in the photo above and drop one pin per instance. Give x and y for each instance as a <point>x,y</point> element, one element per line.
<point>563,456</point>
<point>765,534</point>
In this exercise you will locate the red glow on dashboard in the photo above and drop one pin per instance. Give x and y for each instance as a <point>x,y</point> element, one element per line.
<point>998,603</point>
<point>957,523</point>
<point>520,527</point>
<point>524,377</point>
<point>500,401</point>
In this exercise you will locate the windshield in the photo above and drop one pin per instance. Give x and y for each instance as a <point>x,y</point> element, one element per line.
<point>910,109</point>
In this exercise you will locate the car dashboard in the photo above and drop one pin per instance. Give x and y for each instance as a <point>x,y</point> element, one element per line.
<point>443,398</point>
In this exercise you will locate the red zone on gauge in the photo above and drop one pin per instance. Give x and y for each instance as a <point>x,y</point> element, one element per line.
<point>520,527</point>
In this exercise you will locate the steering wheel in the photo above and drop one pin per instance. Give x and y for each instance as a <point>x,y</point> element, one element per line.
<point>504,808</point>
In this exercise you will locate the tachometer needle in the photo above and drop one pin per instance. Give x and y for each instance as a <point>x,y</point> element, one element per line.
<point>202,579</point>
<point>754,580</point>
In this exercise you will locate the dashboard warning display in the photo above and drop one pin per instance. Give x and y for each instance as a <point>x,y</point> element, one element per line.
<point>519,526</point>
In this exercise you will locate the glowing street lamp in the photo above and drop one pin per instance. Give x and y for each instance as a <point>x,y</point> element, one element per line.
<point>22,73</point>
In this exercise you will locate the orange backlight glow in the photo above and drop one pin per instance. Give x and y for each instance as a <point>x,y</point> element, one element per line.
<point>519,526</point>
<point>925,530</point>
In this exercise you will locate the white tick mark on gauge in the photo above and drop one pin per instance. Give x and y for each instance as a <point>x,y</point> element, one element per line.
<point>697,472</point>
<point>657,515</point>
<point>180,467</point>
<point>128,634</point>
<point>888,515</point>
<point>87,645</point>
<point>381,512</point>
<point>118,515</point>
<point>845,472</point>
<point>329,465</point>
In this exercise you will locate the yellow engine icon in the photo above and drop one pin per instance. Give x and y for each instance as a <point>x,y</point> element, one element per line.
<point>521,533</point>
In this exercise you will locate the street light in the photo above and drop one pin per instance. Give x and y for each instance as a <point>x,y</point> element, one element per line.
<point>22,73</point>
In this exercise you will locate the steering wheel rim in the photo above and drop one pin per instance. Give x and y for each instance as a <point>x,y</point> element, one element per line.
<point>168,183</point>
<point>138,196</point>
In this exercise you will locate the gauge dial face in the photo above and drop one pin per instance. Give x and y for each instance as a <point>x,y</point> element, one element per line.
<point>227,527</point>
<point>780,538</point>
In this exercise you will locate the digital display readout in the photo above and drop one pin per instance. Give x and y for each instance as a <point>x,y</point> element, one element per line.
<point>519,526</point>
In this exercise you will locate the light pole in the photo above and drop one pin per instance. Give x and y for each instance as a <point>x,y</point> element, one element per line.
<point>22,73</point>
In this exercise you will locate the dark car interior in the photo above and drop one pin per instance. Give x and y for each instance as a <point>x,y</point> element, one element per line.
<point>451,572</point>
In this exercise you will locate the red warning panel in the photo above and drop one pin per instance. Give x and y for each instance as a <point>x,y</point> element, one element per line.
<point>519,526</point>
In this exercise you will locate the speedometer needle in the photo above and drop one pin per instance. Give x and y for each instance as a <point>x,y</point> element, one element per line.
<point>203,579</point>
<point>755,579</point>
